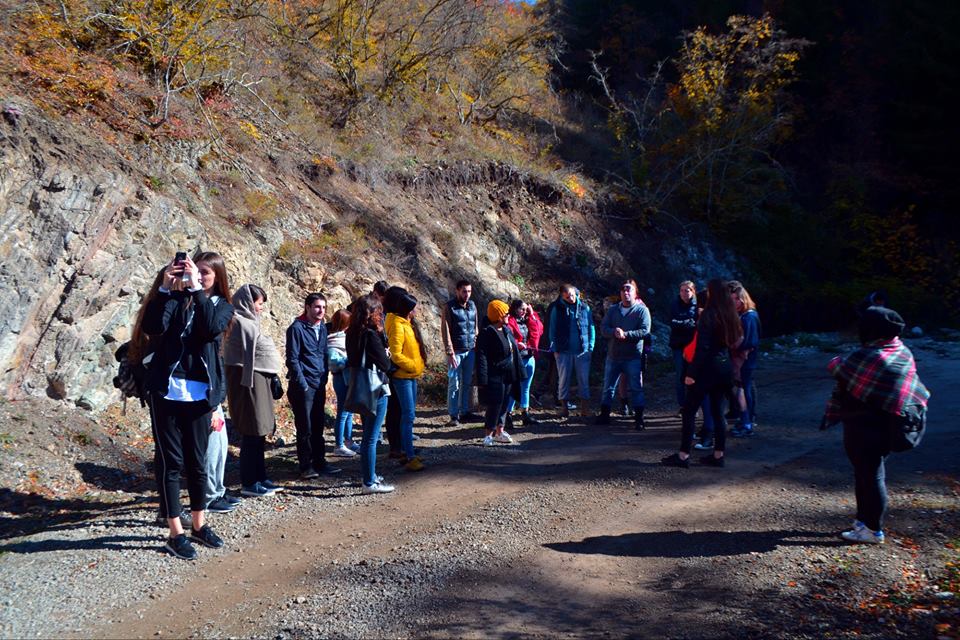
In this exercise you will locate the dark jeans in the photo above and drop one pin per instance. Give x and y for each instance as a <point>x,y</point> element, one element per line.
<point>392,421</point>
<point>252,466</point>
<point>309,418</point>
<point>866,447</point>
<point>497,396</point>
<point>180,432</point>
<point>713,389</point>
<point>679,371</point>
<point>749,392</point>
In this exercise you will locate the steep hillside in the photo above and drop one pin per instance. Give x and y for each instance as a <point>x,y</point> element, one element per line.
<point>87,224</point>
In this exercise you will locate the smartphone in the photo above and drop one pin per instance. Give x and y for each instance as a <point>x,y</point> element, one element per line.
<point>178,260</point>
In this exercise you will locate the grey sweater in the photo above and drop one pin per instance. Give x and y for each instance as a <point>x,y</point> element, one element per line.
<point>635,323</point>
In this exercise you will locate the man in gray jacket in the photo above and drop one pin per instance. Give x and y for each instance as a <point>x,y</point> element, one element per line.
<point>625,326</point>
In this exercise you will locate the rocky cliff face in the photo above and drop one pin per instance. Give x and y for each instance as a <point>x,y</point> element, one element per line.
<point>87,223</point>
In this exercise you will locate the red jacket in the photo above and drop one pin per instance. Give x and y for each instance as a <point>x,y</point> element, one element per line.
<point>534,328</point>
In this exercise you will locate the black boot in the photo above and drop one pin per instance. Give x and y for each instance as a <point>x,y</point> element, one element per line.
<point>604,416</point>
<point>638,419</point>
<point>528,419</point>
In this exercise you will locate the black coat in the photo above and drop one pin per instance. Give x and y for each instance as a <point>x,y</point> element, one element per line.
<point>186,329</point>
<point>711,360</point>
<point>498,357</point>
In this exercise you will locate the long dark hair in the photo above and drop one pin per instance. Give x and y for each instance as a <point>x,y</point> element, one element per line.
<point>722,313</point>
<point>516,306</point>
<point>367,314</point>
<point>215,261</point>
<point>140,341</point>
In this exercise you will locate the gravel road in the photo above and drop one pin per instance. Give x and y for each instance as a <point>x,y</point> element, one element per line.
<point>575,530</point>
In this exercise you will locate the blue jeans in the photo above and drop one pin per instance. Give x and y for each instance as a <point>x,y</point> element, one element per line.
<point>573,364</point>
<point>343,427</point>
<point>680,369</point>
<point>458,383</point>
<point>633,370</point>
<point>530,366</point>
<point>407,395</point>
<point>371,436</point>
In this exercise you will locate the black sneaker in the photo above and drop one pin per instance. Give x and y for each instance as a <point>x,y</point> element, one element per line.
<point>712,461</point>
<point>705,444</point>
<point>674,460</point>
<point>329,471</point>
<point>206,537</point>
<point>234,500</point>
<point>185,519</point>
<point>220,505</point>
<point>309,474</point>
<point>528,419</point>
<point>181,547</point>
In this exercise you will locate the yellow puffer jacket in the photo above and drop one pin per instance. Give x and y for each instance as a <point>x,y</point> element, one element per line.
<point>404,349</point>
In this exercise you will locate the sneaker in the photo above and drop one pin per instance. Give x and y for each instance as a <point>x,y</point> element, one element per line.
<point>185,519</point>
<point>415,464</point>
<point>307,474</point>
<point>705,444</point>
<point>181,547</point>
<point>712,461</point>
<point>863,533</point>
<point>344,452</point>
<point>270,485</point>
<point>503,437</point>
<point>232,499</point>
<point>328,471</point>
<point>378,487</point>
<point>454,421</point>
<point>220,505</point>
<point>674,460</point>
<point>206,537</point>
<point>488,441</point>
<point>742,432</point>
<point>571,406</point>
<point>526,419</point>
<point>354,446</point>
<point>256,490</point>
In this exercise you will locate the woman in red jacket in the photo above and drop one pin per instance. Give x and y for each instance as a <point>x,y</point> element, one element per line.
<point>527,328</point>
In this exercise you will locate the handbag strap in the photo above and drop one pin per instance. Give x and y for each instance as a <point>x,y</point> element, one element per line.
<point>363,350</point>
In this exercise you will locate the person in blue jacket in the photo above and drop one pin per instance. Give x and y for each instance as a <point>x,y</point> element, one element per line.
<point>745,356</point>
<point>307,370</point>
<point>572,335</point>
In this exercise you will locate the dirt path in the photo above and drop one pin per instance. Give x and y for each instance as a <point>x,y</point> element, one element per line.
<point>577,531</point>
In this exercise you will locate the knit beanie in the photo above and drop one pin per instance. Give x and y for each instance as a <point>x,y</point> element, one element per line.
<point>879,323</point>
<point>497,310</point>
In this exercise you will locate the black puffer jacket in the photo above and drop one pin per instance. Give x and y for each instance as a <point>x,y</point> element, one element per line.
<point>711,360</point>
<point>186,329</point>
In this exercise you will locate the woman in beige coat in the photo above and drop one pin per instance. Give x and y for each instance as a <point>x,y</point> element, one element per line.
<point>251,360</point>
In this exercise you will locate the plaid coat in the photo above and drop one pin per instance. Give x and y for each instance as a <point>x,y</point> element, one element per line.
<point>881,375</point>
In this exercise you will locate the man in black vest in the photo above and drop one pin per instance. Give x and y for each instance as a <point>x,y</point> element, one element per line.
<point>458,329</point>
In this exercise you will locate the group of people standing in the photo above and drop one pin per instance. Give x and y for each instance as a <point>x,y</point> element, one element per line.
<point>200,345</point>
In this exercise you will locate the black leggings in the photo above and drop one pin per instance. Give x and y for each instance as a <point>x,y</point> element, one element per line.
<point>715,389</point>
<point>253,468</point>
<point>866,447</point>
<point>180,433</point>
<point>392,421</point>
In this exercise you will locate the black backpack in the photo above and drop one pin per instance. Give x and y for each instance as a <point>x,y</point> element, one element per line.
<point>130,378</point>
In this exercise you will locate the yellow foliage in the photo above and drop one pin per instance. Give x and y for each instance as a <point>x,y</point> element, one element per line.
<point>250,129</point>
<point>572,182</point>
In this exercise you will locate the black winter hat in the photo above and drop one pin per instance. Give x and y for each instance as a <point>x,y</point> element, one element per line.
<point>405,304</point>
<point>878,323</point>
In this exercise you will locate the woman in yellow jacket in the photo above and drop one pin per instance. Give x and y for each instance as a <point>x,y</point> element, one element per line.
<point>408,353</point>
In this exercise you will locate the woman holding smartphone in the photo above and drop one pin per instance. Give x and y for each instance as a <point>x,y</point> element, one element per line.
<point>185,382</point>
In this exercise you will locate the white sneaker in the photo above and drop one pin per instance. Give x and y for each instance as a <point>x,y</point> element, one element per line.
<point>378,487</point>
<point>862,533</point>
<point>504,437</point>
<point>344,452</point>
<point>488,441</point>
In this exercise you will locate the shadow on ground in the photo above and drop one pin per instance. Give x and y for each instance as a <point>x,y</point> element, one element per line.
<point>680,544</point>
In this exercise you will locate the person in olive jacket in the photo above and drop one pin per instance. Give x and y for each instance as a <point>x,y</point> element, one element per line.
<point>499,371</point>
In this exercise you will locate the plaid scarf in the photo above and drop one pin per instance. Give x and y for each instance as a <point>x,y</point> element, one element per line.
<point>882,375</point>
